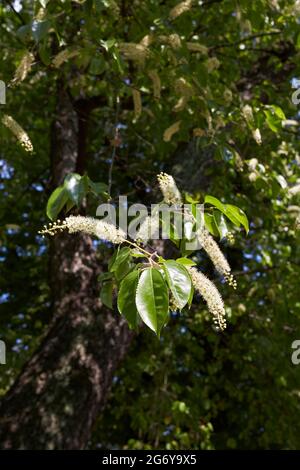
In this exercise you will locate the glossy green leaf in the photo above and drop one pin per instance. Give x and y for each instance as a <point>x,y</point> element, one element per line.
<point>75,187</point>
<point>214,202</point>
<point>126,298</point>
<point>120,256</point>
<point>273,121</point>
<point>152,299</point>
<point>210,224</point>
<point>56,202</point>
<point>220,223</point>
<point>179,282</point>
<point>186,262</point>
<point>234,213</point>
<point>278,111</point>
<point>123,268</point>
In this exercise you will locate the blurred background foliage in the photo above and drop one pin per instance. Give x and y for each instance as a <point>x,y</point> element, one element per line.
<point>237,139</point>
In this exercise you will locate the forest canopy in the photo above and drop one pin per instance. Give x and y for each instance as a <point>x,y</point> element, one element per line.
<point>97,98</point>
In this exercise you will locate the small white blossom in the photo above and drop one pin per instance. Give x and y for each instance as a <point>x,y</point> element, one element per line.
<point>257,136</point>
<point>247,112</point>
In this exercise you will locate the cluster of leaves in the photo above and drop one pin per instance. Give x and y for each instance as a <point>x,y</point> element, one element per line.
<point>72,193</point>
<point>144,292</point>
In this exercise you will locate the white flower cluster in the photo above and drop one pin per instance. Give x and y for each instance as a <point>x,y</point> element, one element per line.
<point>169,189</point>
<point>247,112</point>
<point>213,250</point>
<point>101,229</point>
<point>133,51</point>
<point>211,295</point>
<point>18,132</point>
<point>180,8</point>
<point>23,69</point>
<point>212,64</point>
<point>89,225</point>
<point>63,56</point>
<point>196,47</point>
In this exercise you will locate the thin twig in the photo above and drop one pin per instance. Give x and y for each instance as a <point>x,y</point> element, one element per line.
<point>245,39</point>
<point>115,145</point>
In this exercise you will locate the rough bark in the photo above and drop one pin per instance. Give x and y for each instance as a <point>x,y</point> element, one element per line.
<point>61,390</point>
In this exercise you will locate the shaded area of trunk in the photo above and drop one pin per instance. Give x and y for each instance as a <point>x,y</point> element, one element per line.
<point>61,390</point>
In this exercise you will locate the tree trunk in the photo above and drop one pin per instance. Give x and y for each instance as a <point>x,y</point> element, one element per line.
<point>61,390</point>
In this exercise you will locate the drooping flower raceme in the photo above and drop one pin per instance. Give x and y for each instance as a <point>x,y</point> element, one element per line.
<point>89,225</point>
<point>169,189</point>
<point>220,262</point>
<point>23,69</point>
<point>211,295</point>
<point>18,132</point>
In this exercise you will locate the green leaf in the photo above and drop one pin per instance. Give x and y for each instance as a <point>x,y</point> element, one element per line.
<point>75,187</point>
<point>107,44</point>
<point>215,202</point>
<point>183,247</point>
<point>210,224</point>
<point>121,255</point>
<point>186,262</point>
<point>179,282</point>
<point>233,213</point>
<point>24,32</point>
<point>70,204</point>
<point>220,223</point>
<point>126,299</point>
<point>97,65</point>
<point>123,269</point>
<point>137,254</point>
<point>105,276</point>
<point>190,301</point>
<point>106,293</point>
<point>97,188</point>
<point>190,199</point>
<point>39,29</point>
<point>113,259</point>
<point>44,54</point>
<point>237,216</point>
<point>152,299</point>
<point>278,111</point>
<point>56,202</point>
<point>273,121</point>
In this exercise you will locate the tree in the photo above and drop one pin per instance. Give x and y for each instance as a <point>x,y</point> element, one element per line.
<point>202,92</point>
